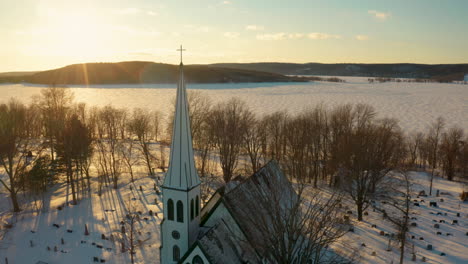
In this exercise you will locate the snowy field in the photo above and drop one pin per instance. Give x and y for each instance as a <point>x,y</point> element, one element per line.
<point>103,214</point>
<point>416,105</point>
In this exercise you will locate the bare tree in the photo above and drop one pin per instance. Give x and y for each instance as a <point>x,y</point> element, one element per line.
<point>140,126</point>
<point>370,152</point>
<point>340,129</point>
<point>415,142</point>
<point>199,110</point>
<point>15,144</point>
<point>127,150</point>
<point>228,123</point>
<point>253,142</point>
<point>275,124</point>
<point>54,102</point>
<point>73,147</point>
<point>295,228</point>
<point>109,127</point>
<point>158,121</point>
<point>397,197</point>
<point>433,140</point>
<point>130,233</point>
<point>451,149</point>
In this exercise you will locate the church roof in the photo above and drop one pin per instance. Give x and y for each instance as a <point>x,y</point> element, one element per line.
<point>260,198</point>
<point>181,174</point>
<point>221,245</point>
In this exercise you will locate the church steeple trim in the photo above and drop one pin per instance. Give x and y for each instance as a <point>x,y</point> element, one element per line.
<point>182,174</point>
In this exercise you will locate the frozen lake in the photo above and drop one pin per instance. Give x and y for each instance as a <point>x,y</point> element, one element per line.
<point>416,105</point>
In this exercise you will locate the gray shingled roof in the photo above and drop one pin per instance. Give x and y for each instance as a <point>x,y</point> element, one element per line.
<point>222,246</point>
<point>269,185</point>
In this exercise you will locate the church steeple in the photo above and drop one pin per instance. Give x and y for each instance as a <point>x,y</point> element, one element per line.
<point>181,174</point>
<point>181,187</point>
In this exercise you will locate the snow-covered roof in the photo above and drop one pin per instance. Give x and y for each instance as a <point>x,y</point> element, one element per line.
<point>223,246</point>
<point>258,199</point>
<point>255,199</point>
<point>181,174</point>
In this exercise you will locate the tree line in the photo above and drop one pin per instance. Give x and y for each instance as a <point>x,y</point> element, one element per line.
<point>348,146</point>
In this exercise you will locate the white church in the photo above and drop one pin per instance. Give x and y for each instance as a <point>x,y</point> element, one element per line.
<point>221,231</point>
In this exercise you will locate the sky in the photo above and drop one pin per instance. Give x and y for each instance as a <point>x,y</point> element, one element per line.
<point>47,34</point>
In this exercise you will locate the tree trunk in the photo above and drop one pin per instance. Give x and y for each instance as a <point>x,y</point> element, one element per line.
<point>72,182</point>
<point>432,179</point>
<point>402,249</point>
<point>359,210</point>
<point>14,201</point>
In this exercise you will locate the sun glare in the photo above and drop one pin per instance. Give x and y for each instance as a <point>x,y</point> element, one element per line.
<point>75,35</point>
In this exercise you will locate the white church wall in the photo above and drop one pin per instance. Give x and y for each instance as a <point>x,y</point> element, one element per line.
<point>188,229</point>
<point>196,252</point>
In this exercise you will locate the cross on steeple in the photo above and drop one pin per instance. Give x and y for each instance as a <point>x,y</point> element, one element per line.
<point>181,49</point>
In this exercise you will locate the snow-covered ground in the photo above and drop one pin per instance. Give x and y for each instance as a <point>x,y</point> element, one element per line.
<point>454,245</point>
<point>416,105</point>
<point>103,214</point>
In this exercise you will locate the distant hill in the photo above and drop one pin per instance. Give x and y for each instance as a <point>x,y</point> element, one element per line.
<point>446,72</point>
<point>134,72</point>
<point>14,74</point>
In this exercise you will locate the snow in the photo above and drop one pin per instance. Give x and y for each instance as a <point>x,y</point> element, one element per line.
<point>454,246</point>
<point>90,211</point>
<point>415,105</point>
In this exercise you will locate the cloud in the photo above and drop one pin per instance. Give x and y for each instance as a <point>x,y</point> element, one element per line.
<point>362,37</point>
<point>226,2</point>
<point>322,36</point>
<point>254,27</point>
<point>295,35</point>
<point>275,36</point>
<point>379,15</point>
<point>151,13</point>
<point>231,35</point>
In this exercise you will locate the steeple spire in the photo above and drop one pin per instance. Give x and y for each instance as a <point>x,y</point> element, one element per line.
<point>181,174</point>
<point>181,50</point>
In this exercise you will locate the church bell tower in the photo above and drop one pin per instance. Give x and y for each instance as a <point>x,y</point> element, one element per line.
<point>181,187</point>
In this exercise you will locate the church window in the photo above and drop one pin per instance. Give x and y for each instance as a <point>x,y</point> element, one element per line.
<point>170,210</point>
<point>191,209</point>
<point>175,235</point>
<point>197,206</point>
<point>197,260</point>
<point>180,212</point>
<point>175,253</point>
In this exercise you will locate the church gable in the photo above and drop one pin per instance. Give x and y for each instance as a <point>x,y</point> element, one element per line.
<point>195,255</point>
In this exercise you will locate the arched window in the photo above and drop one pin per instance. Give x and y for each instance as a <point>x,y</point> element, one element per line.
<point>170,210</point>
<point>197,206</point>
<point>175,253</point>
<point>197,260</point>
<point>191,209</point>
<point>180,212</point>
